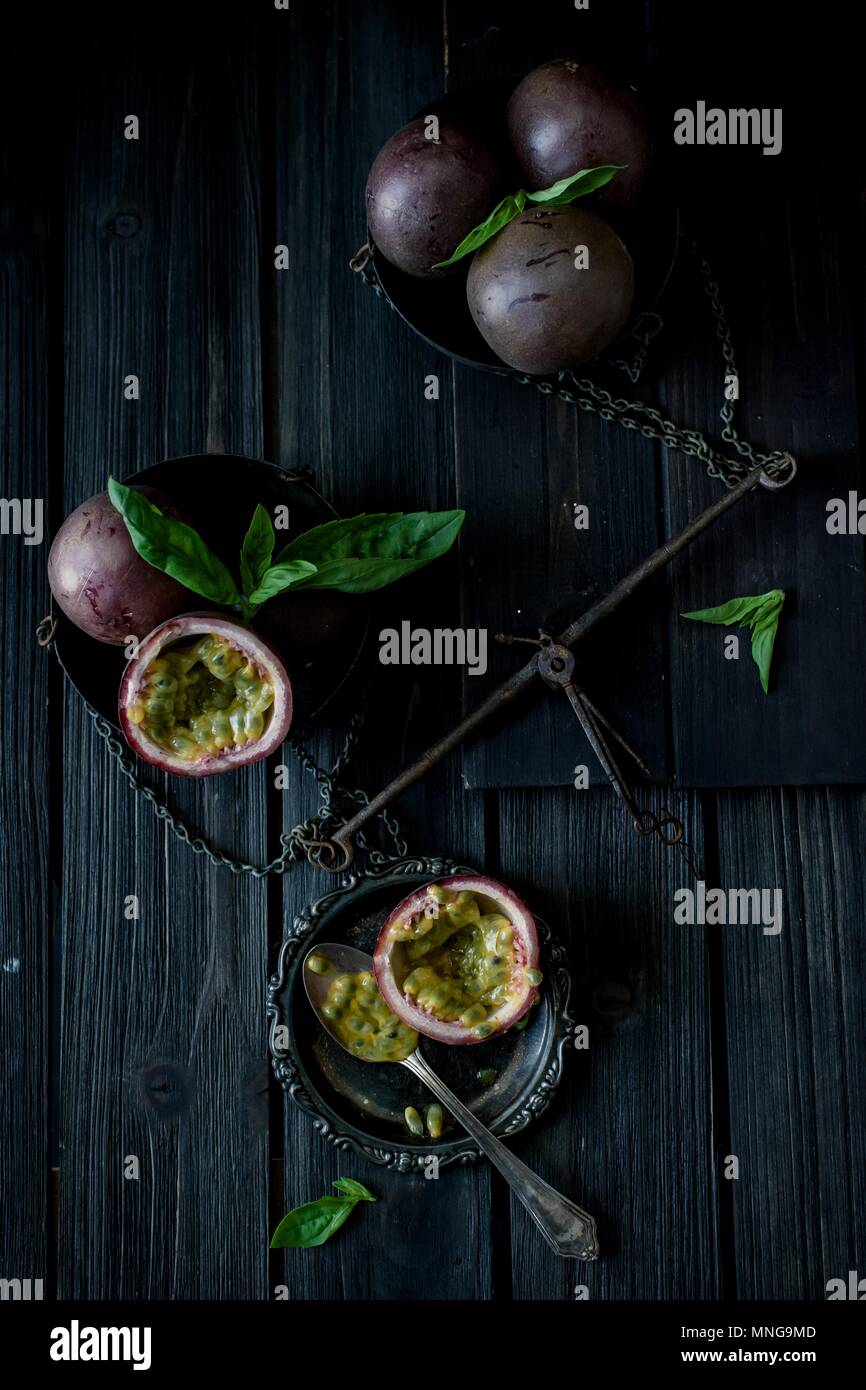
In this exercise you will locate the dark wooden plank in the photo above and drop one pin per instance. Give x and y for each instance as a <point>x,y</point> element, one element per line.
<point>524,462</point>
<point>784,256</point>
<point>25,781</point>
<point>351,405</point>
<point>631,1136</point>
<point>163,1028</point>
<point>795,1016</point>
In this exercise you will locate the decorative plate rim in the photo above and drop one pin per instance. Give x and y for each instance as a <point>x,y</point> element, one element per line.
<point>290,1074</point>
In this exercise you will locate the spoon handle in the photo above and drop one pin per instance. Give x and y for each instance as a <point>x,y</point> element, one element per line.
<point>569,1230</point>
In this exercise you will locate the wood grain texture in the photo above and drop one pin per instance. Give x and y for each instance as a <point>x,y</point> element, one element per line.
<point>351,406</point>
<point>703,1042</point>
<point>525,461</point>
<point>631,1137</point>
<point>25,769</point>
<point>163,1033</point>
<point>795,1018</point>
<point>784,256</point>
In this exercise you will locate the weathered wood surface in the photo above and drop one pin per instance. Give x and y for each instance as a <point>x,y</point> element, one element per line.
<point>704,1043</point>
<point>26,863</point>
<point>785,256</point>
<point>331,381</point>
<point>162,1050</point>
<point>795,1024</point>
<point>525,461</point>
<point>619,1140</point>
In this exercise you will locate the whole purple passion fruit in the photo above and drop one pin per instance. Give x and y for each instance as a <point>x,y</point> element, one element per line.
<point>566,116</point>
<point>204,695</point>
<point>458,959</point>
<point>551,290</point>
<point>99,579</point>
<point>424,195</point>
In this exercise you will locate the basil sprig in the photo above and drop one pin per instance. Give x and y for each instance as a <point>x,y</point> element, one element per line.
<point>356,555</point>
<point>173,547</point>
<point>558,195</point>
<point>759,612</point>
<point>315,1222</point>
<point>257,549</point>
<point>367,552</point>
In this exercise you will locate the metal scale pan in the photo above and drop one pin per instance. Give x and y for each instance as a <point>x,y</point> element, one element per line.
<point>437,310</point>
<point>217,493</point>
<point>359,1105</point>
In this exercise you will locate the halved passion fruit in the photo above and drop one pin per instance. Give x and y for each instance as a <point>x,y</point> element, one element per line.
<point>204,695</point>
<point>458,959</point>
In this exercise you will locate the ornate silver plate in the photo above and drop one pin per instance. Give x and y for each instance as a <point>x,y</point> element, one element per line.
<point>359,1105</point>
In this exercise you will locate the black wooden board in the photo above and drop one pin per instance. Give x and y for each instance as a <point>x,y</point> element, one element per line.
<point>786,258</point>
<point>798,392</point>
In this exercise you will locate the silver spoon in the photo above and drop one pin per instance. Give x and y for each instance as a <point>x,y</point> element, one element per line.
<point>569,1230</point>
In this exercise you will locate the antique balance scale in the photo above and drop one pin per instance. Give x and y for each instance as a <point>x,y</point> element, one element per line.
<point>351,1107</point>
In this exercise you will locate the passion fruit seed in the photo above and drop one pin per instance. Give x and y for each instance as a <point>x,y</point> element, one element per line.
<point>204,697</point>
<point>486,1075</point>
<point>413,1120</point>
<point>433,1119</point>
<point>533,977</point>
<point>320,965</point>
<point>475,1014</point>
<point>362,1020</point>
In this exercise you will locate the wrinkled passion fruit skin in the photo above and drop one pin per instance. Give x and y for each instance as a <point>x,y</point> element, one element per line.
<point>424,196</point>
<point>101,582</point>
<point>183,630</point>
<point>530,302</point>
<point>566,116</point>
<point>391,967</point>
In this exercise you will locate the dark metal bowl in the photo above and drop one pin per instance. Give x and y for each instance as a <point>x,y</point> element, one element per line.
<point>360,1105</point>
<point>218,494</point>
<point>437,310</point>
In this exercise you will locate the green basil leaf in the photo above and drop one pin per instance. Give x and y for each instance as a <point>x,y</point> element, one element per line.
<point>312,1224</point>
<point>279,578</point>
<point>257,549</point>
<point>173,547</point>
<point>736,610</point>
<point>559,194</point>
<point>354,1189</point>
<point>577,185</point>
<point>760,612</point>
<point>365,553</point>
<point>763,639</point>
<point>502,214</point>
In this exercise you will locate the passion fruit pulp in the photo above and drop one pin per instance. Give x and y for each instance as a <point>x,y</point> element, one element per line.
<point>458,959</point>
<point>204,695</point>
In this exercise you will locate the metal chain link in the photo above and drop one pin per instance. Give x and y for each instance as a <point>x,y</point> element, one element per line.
<point>293,842</point>
<point>331,794</point>
<point>587,395</point>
